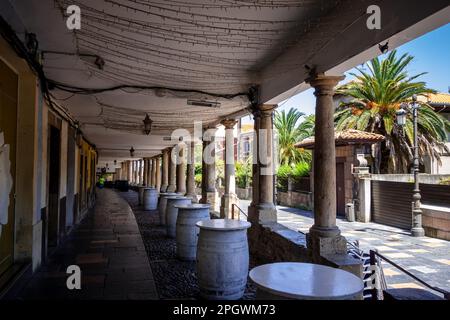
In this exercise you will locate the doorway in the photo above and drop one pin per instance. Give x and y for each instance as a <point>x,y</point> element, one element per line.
<point>8,138</point>
<point>340,189</point>
<point>53,186</point>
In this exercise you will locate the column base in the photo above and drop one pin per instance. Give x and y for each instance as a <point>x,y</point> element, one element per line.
<point>171,188</point>
<point>212,198</point>
<point>193,196</point>
<point>262,213</point>
<point>226,206</point>
<point>163,188</point>
<point>325,242</point>
<point>418,232</point>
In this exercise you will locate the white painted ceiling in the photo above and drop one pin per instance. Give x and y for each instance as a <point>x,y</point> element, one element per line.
<point>214,46</point>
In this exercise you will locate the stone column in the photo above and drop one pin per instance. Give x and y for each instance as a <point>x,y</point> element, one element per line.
<point>209,185</point>
<point>263,210</point>
<point>144,172</point>
<point>141,172</point>
<point>172,173</point>
<point>150,168</point>
<point>324,236</point>
<point>190,182</point>
<point>153,178</point>
<point>181,169</point>
<point>136,172</point>
<point>204,198</point>
<point>229,197</point>
<point>133,169</point>
<point>165,170</point>
<point>158,173</point>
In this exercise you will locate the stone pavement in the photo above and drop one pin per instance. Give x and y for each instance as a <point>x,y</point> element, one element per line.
<point>427,258</point>
<point>108,248</point>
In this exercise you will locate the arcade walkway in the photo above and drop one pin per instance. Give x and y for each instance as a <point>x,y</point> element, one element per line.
<point>109,250</point>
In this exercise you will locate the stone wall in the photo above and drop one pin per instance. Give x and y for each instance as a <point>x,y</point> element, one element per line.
<point>244,194</point>
<point>295,199</point>
<point>436,221</point>
<point>274,242</point>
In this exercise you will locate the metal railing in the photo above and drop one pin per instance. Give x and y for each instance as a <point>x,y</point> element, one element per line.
<point>374,255</point>
<point>233,210</point>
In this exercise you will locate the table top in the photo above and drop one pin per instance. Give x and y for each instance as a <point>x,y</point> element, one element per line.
<point>223,224</point>
<point>193,206</point>
<point>306,281</point>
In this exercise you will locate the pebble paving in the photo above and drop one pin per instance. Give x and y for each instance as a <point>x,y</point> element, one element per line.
<point>175,279</point>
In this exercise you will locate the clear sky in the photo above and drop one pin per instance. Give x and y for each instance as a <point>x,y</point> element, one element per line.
<point>431,54</point>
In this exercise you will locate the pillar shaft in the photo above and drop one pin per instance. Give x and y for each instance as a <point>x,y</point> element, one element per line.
<point>153,178</point>
<point>150,174</point>
<point>324,236</point>
<point>190,181</point>
<point>181,169</point>
<point>165,171</point>
<point>262,208</point>
<point>209,192</point>
<point>158,173</point>
<point>141,172</point>
<point>204,198</point>
<point>229,197</point>
<point>172,172</point>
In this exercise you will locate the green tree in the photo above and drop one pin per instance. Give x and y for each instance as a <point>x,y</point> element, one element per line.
<point>376,95</point>
<point>289,133</point>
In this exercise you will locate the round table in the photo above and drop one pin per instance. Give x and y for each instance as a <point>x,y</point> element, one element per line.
<point>305,281</point>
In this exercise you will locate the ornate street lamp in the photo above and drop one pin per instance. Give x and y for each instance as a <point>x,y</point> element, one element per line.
<point>132,152</point>
<point>147,124</point>
<point>416,230</point>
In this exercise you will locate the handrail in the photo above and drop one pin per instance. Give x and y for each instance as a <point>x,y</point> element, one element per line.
<point>442,291</point>
<point>232,210</point>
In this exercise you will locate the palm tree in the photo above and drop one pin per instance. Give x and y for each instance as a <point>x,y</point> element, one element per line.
<point>376,95</point>
<point>289,133</point>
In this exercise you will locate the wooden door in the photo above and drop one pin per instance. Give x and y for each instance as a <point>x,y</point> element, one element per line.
<point>340,189</point>
<point>8,138</point>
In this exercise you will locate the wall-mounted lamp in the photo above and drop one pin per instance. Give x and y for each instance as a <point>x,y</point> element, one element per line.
<point>132,152</point>
<point>147,124</point>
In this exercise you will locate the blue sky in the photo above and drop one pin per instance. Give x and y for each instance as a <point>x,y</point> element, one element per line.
<point>431,54</point>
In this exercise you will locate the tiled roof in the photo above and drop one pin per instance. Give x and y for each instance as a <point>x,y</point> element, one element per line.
<point>436,98</point>
<point>349,136</point>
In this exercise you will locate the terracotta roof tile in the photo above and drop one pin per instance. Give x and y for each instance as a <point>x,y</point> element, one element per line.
<point>349,136</point>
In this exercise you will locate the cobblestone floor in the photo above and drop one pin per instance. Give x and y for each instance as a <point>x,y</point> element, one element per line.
<point>174,279</point>
<point>427,258</point>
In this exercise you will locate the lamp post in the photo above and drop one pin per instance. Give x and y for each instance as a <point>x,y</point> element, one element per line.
<point>416,230</point>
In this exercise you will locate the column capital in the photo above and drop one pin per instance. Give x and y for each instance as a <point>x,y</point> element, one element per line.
<point>264,110</point>
<point>324,84</point>
<point>228,123</point>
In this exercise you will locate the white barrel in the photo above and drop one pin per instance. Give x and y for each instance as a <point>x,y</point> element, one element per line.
<point>187,231</point>
<point>172,213</point>
<point>162,204</point>
<point>222,258</point>
<point>150,199</point>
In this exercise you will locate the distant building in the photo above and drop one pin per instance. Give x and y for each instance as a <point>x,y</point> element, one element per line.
<point>441,104</point>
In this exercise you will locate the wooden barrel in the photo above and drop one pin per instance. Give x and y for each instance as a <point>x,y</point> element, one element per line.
<point>150,199</point>
<point>162,204</point>
<point>172,213</point>
<point>222,258</point>
<point>187,231</point>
